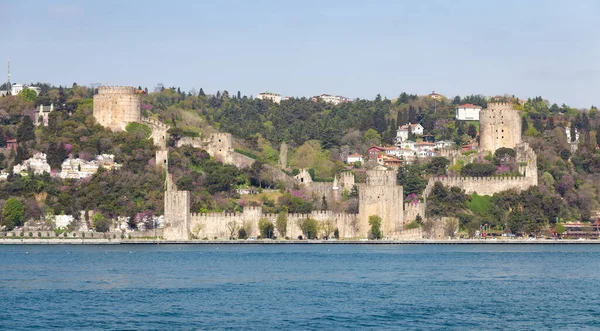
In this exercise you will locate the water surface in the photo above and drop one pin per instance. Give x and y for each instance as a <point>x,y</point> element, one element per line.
<point>311,287</point>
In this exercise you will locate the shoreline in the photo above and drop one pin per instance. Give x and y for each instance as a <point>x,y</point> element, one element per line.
<point>33,241</point>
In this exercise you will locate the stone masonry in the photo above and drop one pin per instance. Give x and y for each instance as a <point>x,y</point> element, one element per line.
<point>115,106</point>
<point>499,126</point>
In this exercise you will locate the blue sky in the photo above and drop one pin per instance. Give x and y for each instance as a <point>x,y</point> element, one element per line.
<point>304,48</point>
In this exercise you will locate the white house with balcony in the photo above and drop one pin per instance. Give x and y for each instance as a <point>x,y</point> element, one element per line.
<point>276,98</point>
<point>468,112</point>
<point>402,133</point>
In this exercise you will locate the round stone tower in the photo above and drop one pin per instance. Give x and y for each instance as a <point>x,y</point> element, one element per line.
<point>115,106</point>
<point>499,126</point>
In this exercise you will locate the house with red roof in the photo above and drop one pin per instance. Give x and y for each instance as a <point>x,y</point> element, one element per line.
<point>468,112</point>
<point>12,143</point>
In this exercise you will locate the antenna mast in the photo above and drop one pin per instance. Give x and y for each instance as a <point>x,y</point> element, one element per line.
<point>9,86</point>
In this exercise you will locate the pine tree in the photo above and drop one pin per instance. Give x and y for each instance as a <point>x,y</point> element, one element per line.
<point>324,203</point>
<point>2,139</point>
<point>524,125</point>
<point>25,132</point>
<point>573,132</point>
<point>201,93</point>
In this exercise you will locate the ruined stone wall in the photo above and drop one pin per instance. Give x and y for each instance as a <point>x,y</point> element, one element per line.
<point>219,146</point>
<point>499,126</point>
<point>527,161</point>
<point>115,106</point>
<point>381,196</point>
<point>159,131</point>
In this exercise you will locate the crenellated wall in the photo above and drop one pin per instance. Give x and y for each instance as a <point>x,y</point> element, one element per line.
<point>219,225</point>
<point>411,210</point>
<point>159,131</point>
<point>115,106</point>
<point>483,185</point>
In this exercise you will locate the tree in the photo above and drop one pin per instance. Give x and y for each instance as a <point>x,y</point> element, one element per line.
<point>328,227</point>
<point>26,132</point>
<point>438,166</point>
<point>281,223</point>
<point>472,131</point>
<point>336,233</point>
<point>2,139</point>
<point>28,95</point>
<point>524,125</point>
<point>410,178</point>
<point>233,227</point>
<point>100,223</point>
<point>323,203</point>
<point>573,132</point>
<point>375,223</point>
<point>242,234</point>
<point>13,213</point>
<point>266,228</point>
<point>310,228</point>
<point>372,137</point>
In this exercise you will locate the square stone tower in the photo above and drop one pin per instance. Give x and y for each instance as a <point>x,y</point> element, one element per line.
<point>499,126</point>
<point>381,196</point>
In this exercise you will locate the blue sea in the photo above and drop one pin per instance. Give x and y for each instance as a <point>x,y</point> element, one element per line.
<point>305,287</point>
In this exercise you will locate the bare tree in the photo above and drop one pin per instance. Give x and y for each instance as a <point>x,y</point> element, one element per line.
<point>233,228</point>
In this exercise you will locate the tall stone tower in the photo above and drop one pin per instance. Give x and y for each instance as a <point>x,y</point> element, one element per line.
<point>115,106</point>
<point>499,126</point>
<point>381,196</point>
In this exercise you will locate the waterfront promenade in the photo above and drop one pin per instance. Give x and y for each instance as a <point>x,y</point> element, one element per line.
<point>79,241</point>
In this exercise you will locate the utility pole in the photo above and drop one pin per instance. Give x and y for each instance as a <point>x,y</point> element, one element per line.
<point>9,88</point>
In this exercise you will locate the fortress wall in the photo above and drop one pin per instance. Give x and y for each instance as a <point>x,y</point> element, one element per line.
<point>159,131</point>
<point>217,224</point>
<point>84,234</point>
<point>411,210</point>
<point>483,185</point>
<point>241,161</point>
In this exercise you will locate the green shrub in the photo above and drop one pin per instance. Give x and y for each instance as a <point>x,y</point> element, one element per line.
<point>30,234</point>
<point>375,223</point>
<point>241,234</point>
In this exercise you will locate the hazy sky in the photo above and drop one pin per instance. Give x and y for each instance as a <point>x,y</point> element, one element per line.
<point>303,48</point>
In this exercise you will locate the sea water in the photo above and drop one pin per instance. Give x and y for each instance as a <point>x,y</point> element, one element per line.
<point>307,287</point>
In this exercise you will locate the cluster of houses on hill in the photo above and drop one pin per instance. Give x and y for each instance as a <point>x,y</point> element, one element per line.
<point>332,99</point>
<point>73,168</point>
<point>405,149</point>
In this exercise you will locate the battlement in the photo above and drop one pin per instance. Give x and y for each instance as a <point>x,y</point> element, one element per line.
<point>500,106</point>
<point>381,178</point>
<point>116,90</point>
<point>483,185</point>
<point>156,123</point>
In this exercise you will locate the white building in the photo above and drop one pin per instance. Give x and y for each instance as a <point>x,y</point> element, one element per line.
<point>79,168</point>
<point>435,96</point>
<point>42,115</point>
<point>352,158</point>
<point>270,96</point>
<point>426,153</point>
<point>17,88</point>
<point>402,133</point>
<point>408,144</point>
<point>568,134</point>
<point>468,112</point>
<point>333,99</point>
<point>424,146</point>
<point>400,152</point>
<point>444,144</point>
<point>37,164</point>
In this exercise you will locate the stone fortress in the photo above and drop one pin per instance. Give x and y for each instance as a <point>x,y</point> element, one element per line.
<point>500,126</point>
